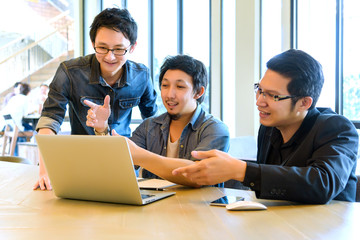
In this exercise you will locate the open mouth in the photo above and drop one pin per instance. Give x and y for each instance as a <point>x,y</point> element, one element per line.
<point>171,104</point>
<point>263,114</point>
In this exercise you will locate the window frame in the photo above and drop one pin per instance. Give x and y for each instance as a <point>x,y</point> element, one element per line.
<point>339,77</point>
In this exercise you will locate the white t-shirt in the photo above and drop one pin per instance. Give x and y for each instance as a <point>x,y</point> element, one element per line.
<point>172,149</point>
<point>17,107</point>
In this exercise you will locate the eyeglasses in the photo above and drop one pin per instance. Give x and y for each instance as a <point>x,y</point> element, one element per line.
<point>276,98</point>
<point>116,51</point>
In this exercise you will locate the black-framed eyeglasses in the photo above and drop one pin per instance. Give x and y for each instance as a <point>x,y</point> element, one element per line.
<point>115,51</point>
<point>276,98</point>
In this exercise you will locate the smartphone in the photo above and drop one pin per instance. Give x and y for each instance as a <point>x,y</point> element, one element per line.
<point>223,201</point>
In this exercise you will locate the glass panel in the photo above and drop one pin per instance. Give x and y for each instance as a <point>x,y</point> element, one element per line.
<point>141,52</point>
<point>141,17</point>
<point>270,31</point>
<point>351,65</point>
<point>112,4</point>
<point>196,34</point>
<point>316,36</point>
<point>228,73</point>
<point>165,37</point>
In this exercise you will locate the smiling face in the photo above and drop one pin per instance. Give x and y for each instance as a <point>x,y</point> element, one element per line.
<point>178,95</point>
<point>110,64</point>
<point>279,114</point>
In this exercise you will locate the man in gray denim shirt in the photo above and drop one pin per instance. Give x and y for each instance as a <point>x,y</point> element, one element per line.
<point>113,35</point>
<point>185,126</point>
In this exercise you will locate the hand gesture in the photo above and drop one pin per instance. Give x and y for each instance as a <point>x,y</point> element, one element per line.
<point>215,167</point>
<point>97,116</point>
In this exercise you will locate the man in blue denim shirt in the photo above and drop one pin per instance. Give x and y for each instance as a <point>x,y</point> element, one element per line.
<point>113,34</point>
<point>185,126</point>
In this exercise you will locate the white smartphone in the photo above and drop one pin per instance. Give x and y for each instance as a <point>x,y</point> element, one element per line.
<point>225,200</point>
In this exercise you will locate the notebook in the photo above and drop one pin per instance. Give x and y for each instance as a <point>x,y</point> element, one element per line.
<point>154,184</point>
<point>95,168</point>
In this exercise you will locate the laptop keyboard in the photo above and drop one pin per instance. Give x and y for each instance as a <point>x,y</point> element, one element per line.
<point>144,196</point>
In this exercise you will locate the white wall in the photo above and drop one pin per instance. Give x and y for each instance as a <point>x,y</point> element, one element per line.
<point>247,66</point>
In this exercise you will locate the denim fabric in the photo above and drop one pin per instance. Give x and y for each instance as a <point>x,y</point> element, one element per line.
<point>79,79</point>
<point>202,133</point>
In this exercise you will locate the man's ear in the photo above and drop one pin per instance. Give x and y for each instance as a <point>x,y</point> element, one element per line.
<point>306,102</point>
<point>200,93</point>
<point>132,48</point>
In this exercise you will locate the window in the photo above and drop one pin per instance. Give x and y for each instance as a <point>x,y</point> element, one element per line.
<point>317,36</point>
<point>228,64</point>
<point>351,60</point>
<point>196,35</point>
<point>165,38</point>
<point>328,31</point>
<point>271,34</point>
<point>167,28</point>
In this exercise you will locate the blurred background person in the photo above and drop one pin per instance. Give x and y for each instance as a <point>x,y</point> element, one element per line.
<point>16,90</point>
<point>44,90</point>
<point>18,107</point>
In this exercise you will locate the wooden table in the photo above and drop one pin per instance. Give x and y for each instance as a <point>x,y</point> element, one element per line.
<point>28,214</point>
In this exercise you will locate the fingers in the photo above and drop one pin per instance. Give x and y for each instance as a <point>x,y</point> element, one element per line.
<point>107,102</point>
<point>188,170</point>
<point>43,183</point>
<point>36,186</point>
<point>94,105</point>
<point>114,133</point>
<point>204,154</point>
<point>90,104</point>
<point>91,119</point>
<point>194,173</point>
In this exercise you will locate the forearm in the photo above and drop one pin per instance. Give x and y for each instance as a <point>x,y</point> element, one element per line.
<point>43,131</point>
<point>162,166</point>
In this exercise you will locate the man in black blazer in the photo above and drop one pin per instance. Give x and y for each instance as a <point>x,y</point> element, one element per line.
<point>305,154</point>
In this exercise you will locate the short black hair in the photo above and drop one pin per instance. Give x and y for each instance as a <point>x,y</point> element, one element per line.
<point>190,66</point>
<point>17,84</point>
<point>116,19</point>
<point>25,89</point>
<point>305,72</point>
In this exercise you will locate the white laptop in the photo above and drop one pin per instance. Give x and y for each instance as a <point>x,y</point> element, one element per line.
<point>95,168</point>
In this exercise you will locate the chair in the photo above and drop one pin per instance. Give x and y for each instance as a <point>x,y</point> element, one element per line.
<point>244,147</point>
<point>11,134</point>
<point>14,159</point>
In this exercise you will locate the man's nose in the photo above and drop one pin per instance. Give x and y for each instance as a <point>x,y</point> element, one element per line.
<point>110,55</point>
<point>172,92</point>
<point>261,100</point>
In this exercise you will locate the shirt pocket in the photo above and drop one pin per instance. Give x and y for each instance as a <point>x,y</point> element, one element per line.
<point>129,103</point>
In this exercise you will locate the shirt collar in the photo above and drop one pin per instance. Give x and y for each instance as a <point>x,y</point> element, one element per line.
<point>96,78</point>
<point>303,130</point>
<point>164,119</point>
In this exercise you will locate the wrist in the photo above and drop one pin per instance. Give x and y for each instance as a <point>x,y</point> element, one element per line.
<point>240,170</point>
<point>104,132</point>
